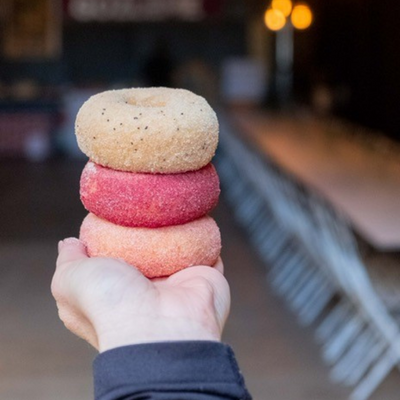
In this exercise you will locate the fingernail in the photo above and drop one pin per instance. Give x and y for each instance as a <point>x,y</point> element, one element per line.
<point>72,240</point>
<point>67,241</point>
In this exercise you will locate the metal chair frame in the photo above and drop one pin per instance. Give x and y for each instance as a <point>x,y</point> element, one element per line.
<point>314,263</point>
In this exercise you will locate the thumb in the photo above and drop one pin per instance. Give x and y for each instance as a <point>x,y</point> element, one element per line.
<point>70,250</point>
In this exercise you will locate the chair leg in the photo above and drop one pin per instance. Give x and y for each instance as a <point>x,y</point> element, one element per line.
<point>284,258</point>
<point>307,291</point>
<point>335,348</point>
<point>376,375</point>
<point>303,280</point>
<point>316,304</point>
<point>276,246</point>
<point>289,273</point>
<point>352,357</point>
<point>331,322</point>
<point>372,354</point>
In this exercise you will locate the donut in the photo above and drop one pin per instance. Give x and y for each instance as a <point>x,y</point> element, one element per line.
<point>156,130</point>
<point>155,252</point>
<point>148,200</point>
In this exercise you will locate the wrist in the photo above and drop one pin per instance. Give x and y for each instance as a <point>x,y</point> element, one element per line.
<point>155,330</point>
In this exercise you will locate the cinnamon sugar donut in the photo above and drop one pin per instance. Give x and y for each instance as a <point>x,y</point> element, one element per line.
<point>156,130</point>
<point>155,252</point>
<point>148,200</point>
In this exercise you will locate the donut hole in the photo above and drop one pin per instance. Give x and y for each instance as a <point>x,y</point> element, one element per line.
<point>151,101</point>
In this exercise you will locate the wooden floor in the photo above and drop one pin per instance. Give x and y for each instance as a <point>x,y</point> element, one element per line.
<point>40,360</point>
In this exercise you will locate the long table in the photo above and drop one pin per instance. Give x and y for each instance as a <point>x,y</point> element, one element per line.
<point>361,179</point>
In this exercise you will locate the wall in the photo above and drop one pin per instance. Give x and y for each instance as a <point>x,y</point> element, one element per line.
<point>117,52</point>
<point>358,44</point>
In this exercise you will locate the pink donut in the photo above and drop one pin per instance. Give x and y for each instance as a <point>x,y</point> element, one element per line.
<point>155,252</point>
<point>148,200</point>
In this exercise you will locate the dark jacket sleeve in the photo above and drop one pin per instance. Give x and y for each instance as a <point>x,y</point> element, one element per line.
<point>198,370</point>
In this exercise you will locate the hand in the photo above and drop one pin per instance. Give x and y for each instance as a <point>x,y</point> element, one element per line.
<point>110,303</point>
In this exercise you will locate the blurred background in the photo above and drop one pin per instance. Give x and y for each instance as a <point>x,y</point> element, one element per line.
<point>308,97</point>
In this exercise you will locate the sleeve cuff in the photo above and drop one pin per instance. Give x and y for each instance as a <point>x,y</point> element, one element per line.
<point>201,367</point>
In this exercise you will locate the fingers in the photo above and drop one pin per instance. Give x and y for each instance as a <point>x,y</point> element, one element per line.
<point>191,277</point>
<point>78,324</point>
<point>70,250</point>
<point>213,274</point>
<point>222,297</point>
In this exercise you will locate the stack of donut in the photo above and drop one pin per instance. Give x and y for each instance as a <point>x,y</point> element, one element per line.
<point>149,183</point>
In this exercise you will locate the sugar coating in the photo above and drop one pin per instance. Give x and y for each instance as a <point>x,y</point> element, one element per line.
<point>155,252</point>
<point>156,130</point>
<point>148,200</point>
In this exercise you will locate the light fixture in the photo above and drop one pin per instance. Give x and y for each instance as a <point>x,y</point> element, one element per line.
<point>274,19</point>
<point>302,16</point>
<point>285,6</point>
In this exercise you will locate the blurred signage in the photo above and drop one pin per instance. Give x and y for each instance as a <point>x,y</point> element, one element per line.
<point>138,10</point>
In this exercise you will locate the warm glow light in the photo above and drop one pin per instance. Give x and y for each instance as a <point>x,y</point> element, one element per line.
<point>302,16</point>
<point>274,19</point>
<point>284,6</point>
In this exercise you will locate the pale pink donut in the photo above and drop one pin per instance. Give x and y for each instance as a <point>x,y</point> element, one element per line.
<point>156,252</point>
<point>148,200</point>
